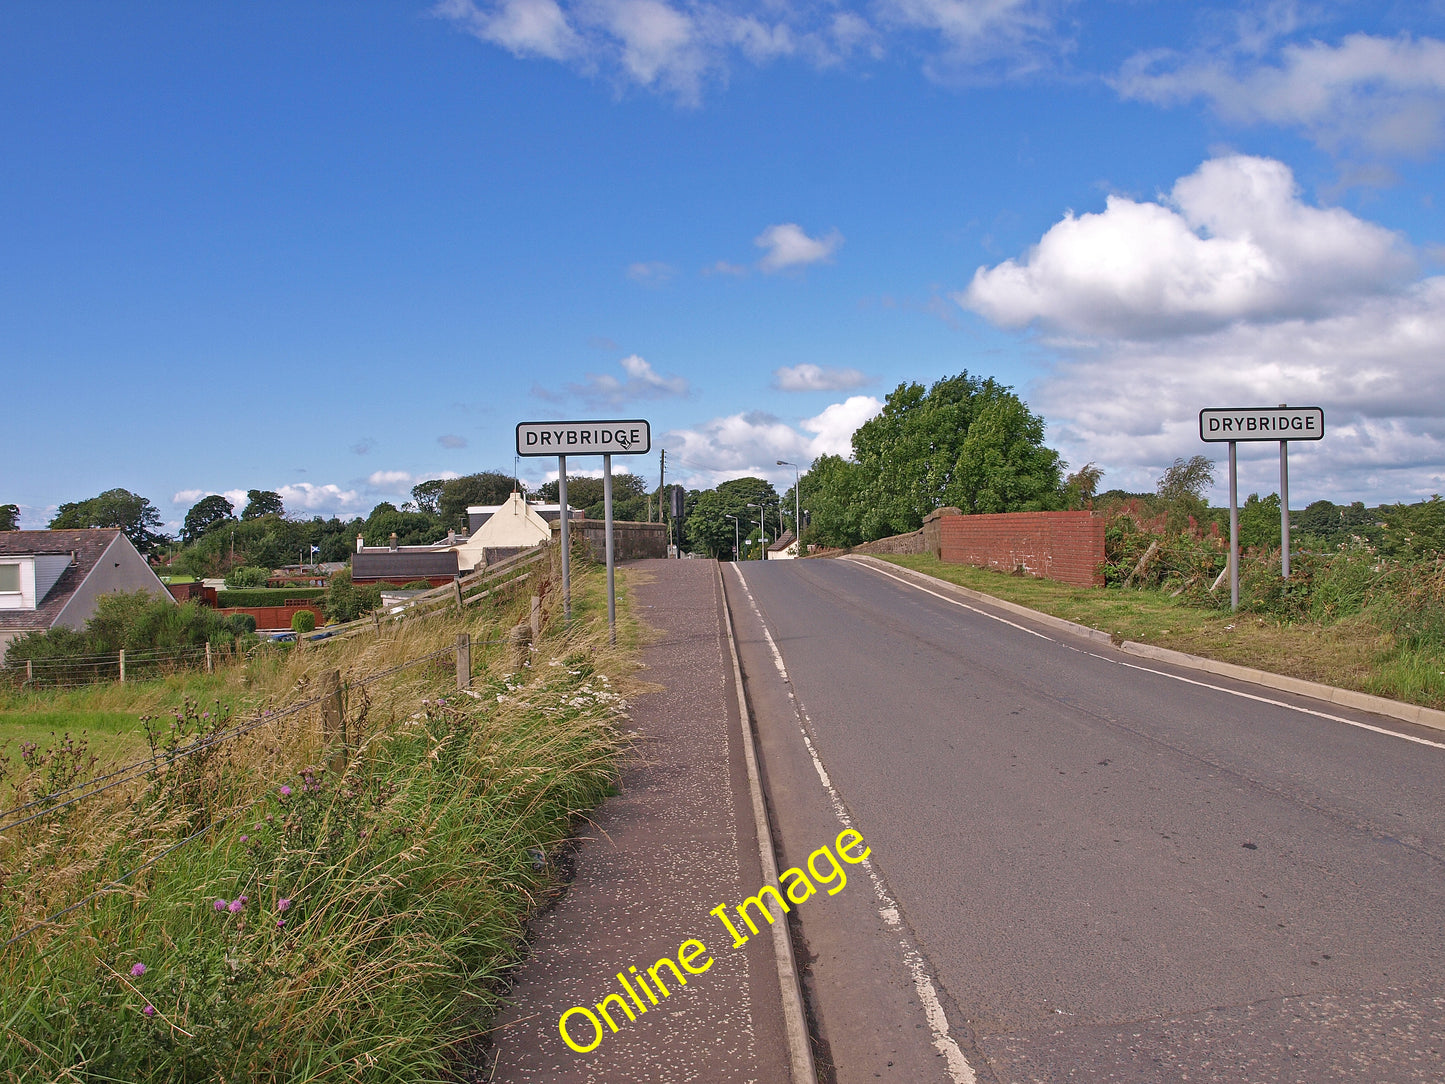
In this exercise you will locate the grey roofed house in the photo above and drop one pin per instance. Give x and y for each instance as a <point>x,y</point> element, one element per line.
<point>402,565</point>
<point>50,578</point>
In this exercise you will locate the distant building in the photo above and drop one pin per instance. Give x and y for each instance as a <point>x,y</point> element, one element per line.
<point>54,578</point>
<point>784,549</point>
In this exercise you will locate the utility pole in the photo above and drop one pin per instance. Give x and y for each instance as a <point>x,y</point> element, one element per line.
<point>661,484</point>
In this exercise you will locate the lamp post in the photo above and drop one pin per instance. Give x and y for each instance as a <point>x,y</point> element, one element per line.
<point>762,523</point>
<point>797,506</point>
<point>736,539</point>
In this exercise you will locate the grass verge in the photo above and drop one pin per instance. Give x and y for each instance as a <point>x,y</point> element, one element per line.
<point>1353,653</point>
<point>326,920</point>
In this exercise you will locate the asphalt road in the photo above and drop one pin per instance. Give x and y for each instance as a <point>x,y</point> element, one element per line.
<point>1102,871</point>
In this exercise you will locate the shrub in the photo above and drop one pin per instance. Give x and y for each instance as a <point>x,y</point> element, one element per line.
<point>241,624</point>
<point>248,576</point>
<point>303,621</point>
<point>417,585</point>
<point>268,596</point>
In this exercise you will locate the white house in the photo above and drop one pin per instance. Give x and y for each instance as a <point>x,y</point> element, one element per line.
<point>513,525</point>
<point>784,549</point>
<point>50,578</point>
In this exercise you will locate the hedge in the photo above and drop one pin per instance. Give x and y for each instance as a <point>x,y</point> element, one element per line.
<point>267,596</point>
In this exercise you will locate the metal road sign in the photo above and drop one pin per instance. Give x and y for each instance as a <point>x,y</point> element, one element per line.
<point>1261,423</point>
<point>632,437</point>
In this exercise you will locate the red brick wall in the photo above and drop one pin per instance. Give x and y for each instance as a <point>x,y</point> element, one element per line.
<point>277,617</point>
<point>1064,546</point>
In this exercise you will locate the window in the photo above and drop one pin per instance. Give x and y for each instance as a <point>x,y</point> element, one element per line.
<point>10,579</point>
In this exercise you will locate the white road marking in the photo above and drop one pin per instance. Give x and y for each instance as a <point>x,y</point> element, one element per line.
<point>1164,673</point>
<point>943,1042</point>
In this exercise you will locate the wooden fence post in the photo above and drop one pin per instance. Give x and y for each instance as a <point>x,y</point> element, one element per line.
<point>536,618</point>
<point>457,591</point>
<point>333,719</point>
<point>210,665</point>
<point>29,672</point>
<point>122,666</point>
<point>464,660</point>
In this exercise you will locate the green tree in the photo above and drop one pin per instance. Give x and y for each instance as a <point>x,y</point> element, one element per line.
<point>134,515</point>
<point>487,487</point>
<point>9,517</point>
<point>428,496</point>
<point>1081,486</point>
<point>1182,487</point>
<point>1259,524</point>
<point>834,502</point>
<point>262,502</point>
<point>708,530</point>
<point>206,513</point>
<point>410,528</point>
<point>965,442</point>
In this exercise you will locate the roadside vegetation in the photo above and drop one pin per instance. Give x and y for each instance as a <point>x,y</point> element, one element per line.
<point>292,915</point>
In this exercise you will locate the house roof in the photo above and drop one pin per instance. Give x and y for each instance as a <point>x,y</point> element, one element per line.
<point>86,546</point>
<point>399,567</point>
<point>782,543</point>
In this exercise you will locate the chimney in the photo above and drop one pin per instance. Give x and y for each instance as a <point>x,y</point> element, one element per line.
<point>451,537</point>
<point>393,541</point>
<point>360,543</point>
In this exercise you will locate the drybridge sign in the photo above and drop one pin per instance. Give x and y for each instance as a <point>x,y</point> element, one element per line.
<point>632,437</point>
<point>1261,423</point>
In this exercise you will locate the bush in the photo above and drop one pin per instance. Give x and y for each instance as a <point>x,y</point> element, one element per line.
<point>346,602</point>
<point>248,576</point>
<point>303,621</point>
<point>268,596</point>
<point>1414,607</point>
<point>417,585</point>
<point>241,624</point>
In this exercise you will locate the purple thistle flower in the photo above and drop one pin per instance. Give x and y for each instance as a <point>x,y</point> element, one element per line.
<point>281,905</point>
<point>285,792</point>
<point>236,906</point>
<point>245,899</point>
<point>149,1010</point>
<point>280,923</point>
<point>220,905</point>
<point>137,971</point>
<point>245,839</point>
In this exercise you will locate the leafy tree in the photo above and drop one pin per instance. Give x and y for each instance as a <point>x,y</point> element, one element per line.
<point>1259,524</point>
<point>262,502</point>
<point>708,528</point>
<point>345,601</point>
<point>248,576</point>
<point>1414,531</point>
<point>134,515</point>
<point>488,487</point>
<point>629,495</point>
<point>1081,486</point>
<point>428,496</point>
<point>9,517</point>
<point>206,513</point>
<point>964,442</point>
<point>410,528</point>
<point>834,501</point>
<point>1181,490</point>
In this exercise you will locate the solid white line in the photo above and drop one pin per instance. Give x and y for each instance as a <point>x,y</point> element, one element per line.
<point>795,1023</point>
<point>1166,674</point>
<point>943,1042</point>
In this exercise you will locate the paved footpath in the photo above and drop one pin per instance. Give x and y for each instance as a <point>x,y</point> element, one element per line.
<point>677,840</point>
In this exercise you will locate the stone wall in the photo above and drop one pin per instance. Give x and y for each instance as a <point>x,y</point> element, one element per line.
<point>630,541</point>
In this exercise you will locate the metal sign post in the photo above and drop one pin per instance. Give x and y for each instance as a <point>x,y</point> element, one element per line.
<point>1282,423</point>
<point>605,438</point>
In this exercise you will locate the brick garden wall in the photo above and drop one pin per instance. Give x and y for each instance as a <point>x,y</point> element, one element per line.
<point>1064,546</point>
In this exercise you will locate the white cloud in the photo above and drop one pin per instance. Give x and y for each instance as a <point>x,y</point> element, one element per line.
<point>1233,241</point>
<point>808,377</point>
<point>722,267</point>
<point>641,383</point>
<point>189,496</point>
<point>680,49</point>
<point>1153,321</point>
<point>655,273</point>
<point>789,247</point>
<point>307,497</point>
<point>1381,94</point>
<point>522,27</point>
<point>751,443</point>
<point>451,441</point>
<point>389,479</point>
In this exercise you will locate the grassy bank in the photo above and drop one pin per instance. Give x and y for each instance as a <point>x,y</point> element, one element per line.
<point>325,920</point>
<point>1353,653</point>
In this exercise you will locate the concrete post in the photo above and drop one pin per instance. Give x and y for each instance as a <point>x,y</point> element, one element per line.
<point>122,666</point>
<point>210,663</point>
<point>333,719</point>
<point>520,640</point>
<point>464,660</point>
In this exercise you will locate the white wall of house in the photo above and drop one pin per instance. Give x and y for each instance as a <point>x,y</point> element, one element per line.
<point>120,568</point>
<point>512,524</point>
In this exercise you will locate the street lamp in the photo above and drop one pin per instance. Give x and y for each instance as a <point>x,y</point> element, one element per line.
<point>736,540</point>
<point>797,506</point>
<point>762,522</point>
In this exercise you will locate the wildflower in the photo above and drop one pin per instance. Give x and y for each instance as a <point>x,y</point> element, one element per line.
<point>280,923</point>
<point>245,899</point>
<point>236,906</point>
<point>220,905</point>
<point>245,839</point>
<point>149,1010</point>
<point>285,792</point>
<point>137,971</point>
<point>281,905</point>
<point>441,703</point>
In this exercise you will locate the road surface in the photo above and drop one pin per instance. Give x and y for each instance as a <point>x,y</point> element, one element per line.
<point>1083,867</point>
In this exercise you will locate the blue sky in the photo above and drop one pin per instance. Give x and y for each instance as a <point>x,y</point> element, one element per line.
<point>333,249</point>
